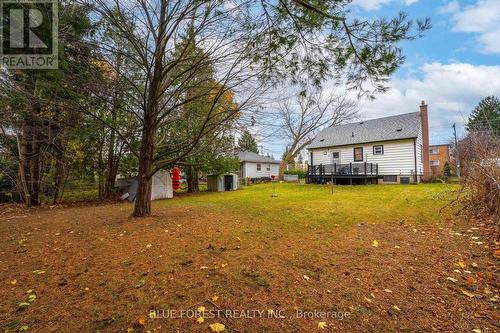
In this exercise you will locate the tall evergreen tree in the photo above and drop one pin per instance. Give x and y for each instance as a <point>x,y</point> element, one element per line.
<point>486,116</point>
<point>247,143</point>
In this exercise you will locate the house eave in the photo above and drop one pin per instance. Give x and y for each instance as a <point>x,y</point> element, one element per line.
<point>361,143</point>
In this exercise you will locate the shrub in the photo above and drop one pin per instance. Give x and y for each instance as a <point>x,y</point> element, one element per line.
<point>301,173</point>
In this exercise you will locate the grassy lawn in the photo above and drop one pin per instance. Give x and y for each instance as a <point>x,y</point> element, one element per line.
<point>363,259</point>
<point>315,204</point>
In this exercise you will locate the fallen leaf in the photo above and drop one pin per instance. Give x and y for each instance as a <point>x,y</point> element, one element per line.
<point>203,267</point>
<point>223,265</point>
<point>140,284</point>
<point>23,328</point>
<point>388,290</point>
<point>13,282</point>
<point>23,305</point>
<point>306,277</point>
<point>461,264</point>
<point>214,298</point>
<point>375,243</point>
<point>148,246</point>
<point>471,281</point>
<point>238,239</point>
<point>217,328</point>
<point>368,300</point>
<point>451,279</point>
<point>130,330</point>
<point>322,325</point>
<point>474,265</point>
<point>476,330</point>
<point>487,291</point>
<point>396,308</point>
<point>31,298</point>
<point>466,293</point>
<point>200,320</point>
<point>496,254</point>
<point>141,320</point>
<point>201,309</point>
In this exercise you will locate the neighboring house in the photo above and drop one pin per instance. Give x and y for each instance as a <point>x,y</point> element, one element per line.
<point>392,149</point>
<point>438,156</point>
<point>253,165</point>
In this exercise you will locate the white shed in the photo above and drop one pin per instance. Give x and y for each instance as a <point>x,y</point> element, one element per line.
<point>161,186</point>
<point>222,182</point>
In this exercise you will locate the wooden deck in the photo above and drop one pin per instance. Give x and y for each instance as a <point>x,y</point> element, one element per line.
<point>323,173</point>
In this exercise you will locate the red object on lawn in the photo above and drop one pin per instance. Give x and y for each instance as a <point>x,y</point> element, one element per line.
<point>273,176</point>
<point>176,178</point>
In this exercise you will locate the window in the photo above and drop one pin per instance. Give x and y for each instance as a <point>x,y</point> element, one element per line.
<point>258,167</point>
<point>434,163</point>
<point>336,155</point>
<point>325,152</point>
<point>268,167</point>
<point>434,151</point>
<point>390,179</point>
<point>378,150</point>
<point>358,154</point>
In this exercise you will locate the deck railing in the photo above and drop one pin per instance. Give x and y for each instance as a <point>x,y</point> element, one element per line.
<point>343,169</point>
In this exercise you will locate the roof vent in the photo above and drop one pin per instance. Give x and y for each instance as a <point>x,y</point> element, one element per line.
<point>352,134</point>
<point>361,123</point>
<point>321,140</point>
<point>399,130</point>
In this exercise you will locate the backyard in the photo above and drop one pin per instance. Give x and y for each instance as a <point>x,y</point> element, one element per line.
<point>346,258</point>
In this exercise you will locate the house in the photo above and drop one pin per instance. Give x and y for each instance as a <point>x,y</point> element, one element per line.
<point>392,149</point>
<point>222,182</point>
<point>438,156</point>
<point>253,165</point>
<point>161,186</point>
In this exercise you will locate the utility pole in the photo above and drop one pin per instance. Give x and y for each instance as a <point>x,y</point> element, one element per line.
<point>456,149</point>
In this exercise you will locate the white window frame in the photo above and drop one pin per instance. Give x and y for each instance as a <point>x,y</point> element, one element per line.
<point>268,168</point>
<point>259,167</point>
<point>381,150</point>
<point>434,162</point>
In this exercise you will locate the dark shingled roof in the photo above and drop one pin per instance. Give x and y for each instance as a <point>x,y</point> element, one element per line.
<point>402,126</point>
<point>248,156</point>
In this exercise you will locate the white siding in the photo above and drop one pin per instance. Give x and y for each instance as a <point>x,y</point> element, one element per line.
<point>398,157</point>
<point>250,170</point>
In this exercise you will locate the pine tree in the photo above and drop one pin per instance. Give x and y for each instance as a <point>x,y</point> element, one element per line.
<point>486,116</point>
<point>247,143</point>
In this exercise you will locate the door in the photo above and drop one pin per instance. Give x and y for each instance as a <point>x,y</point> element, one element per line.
<point>228,182</point>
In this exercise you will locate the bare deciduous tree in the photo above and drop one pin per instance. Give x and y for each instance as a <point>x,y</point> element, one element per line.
<point>313,111</point>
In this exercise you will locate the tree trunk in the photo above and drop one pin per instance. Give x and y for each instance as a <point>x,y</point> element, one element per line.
<point>29,158</point>
<point>192,179</point>
<point>142,205</point>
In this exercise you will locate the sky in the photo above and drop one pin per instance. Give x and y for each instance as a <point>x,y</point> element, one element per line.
<point>451,68</point>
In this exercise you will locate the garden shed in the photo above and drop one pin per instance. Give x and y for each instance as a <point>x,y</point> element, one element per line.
<point>161,187</point>
<point>222,182</point>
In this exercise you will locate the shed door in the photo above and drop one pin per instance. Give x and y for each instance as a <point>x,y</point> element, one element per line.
<point>228,182</point>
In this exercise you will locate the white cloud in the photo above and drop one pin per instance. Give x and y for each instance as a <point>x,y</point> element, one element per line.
<point>377,4</point>
<point>450,90</point>
<point>483,19</point>
<point>450,8</point>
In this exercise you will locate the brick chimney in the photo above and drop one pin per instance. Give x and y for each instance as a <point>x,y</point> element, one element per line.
<point>425,140</point>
